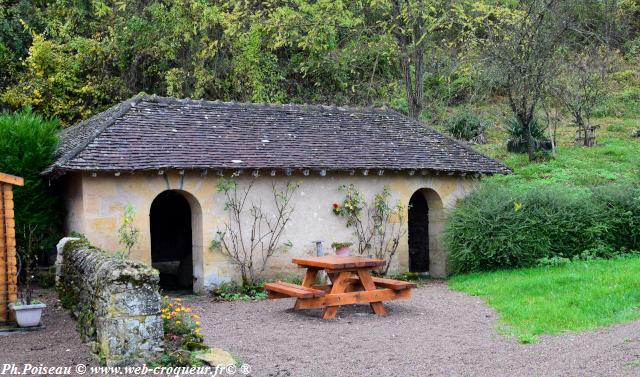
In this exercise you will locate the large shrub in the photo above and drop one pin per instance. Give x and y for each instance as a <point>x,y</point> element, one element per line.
<point>498,227</point>
<point>27,145</point>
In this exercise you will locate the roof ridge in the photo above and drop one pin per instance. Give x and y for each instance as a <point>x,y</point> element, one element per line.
<point>105,119</point>
<point>305,106</point>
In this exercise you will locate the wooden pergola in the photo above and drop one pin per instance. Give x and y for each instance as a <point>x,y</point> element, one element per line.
<point>8,268</point>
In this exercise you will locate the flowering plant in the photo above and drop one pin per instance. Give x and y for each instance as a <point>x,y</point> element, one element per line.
<point>351,206</point>
<point>181,326</point>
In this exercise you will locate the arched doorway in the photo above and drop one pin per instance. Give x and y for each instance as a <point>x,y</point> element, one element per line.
<point>172,240</point>
<point>425,223</point>
<point>418,233</point>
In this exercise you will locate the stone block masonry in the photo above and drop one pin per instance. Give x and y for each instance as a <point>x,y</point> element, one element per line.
<point>116,302</point>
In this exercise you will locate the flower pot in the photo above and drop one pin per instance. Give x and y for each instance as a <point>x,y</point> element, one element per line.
<point>28,315</point>
<point>343,251</point>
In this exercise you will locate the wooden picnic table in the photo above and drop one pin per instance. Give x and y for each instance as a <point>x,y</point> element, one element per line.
<point>351,283</point>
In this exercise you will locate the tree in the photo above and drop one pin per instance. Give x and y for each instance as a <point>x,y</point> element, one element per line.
<point>27,145</point>
<point>412,23</point>
<point>518,54</point>
<point>580,86</point>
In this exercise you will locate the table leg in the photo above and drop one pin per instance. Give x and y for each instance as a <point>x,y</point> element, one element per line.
<point>309,277</point>
<point>369,285</point>
<point>340,283</point>
<point>308,281</point>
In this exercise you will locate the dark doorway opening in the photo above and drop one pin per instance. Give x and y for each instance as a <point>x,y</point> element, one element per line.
<point>171,240</point>
<point>418,233</point>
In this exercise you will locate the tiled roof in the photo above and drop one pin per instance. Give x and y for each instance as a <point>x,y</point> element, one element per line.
<point>150,133</point>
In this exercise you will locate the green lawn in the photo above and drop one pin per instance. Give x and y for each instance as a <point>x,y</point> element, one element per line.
<point>575,297</point>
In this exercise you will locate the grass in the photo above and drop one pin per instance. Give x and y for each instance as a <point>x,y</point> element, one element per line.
<point>549,300</point>
<point>614,160</point>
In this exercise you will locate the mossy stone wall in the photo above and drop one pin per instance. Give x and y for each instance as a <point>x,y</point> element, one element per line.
<point>116,302</point>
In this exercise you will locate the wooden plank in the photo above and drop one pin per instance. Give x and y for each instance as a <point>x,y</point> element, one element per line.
<point>309,277</point>
<point>338,288</point>
<point>275,295</point>
<point>315,292</point>
<point>353,286</point>
<point>335,300</point>
<point>293,290</point>
<point>11,179</point>
<point>336,263</point>
<point>308,281</point>
<point>390,283</point>
<point>369,286</point>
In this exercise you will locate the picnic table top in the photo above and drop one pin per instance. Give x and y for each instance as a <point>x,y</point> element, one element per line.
<point>336,262</point>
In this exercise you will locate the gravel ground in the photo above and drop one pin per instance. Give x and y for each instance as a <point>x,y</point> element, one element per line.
<point>436,333</point>
<point>58,344</point>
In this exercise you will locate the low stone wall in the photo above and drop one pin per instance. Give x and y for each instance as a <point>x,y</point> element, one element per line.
<point>115,301</point>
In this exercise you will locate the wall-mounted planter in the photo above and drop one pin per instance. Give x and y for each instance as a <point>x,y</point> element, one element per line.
<point>28,315</point>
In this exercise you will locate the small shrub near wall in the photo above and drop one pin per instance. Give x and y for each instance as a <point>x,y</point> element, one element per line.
<point>498,227</point>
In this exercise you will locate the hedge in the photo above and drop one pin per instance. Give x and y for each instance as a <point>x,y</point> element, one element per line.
<point>499,227</point>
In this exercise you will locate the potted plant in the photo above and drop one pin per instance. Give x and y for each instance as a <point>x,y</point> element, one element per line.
<point>27,310</point>
<point>342,248</point>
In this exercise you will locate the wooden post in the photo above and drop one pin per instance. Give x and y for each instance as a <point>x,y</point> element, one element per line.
<point>8,265</point>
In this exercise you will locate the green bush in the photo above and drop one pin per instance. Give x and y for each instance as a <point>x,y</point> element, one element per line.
<point>516,141</point>
<point>498,227</point>
<point>237,292</point>
<point>27,145</point>
<point>467,126</point>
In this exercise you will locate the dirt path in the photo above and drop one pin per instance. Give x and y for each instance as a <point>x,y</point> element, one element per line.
<point>437,333</point>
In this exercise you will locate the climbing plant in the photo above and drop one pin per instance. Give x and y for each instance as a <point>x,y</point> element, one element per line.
<point>378,225</point>
<point>251,235</point>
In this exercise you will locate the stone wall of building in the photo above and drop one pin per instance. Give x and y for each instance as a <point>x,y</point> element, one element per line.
<point>115,302</point>
<point>96,204</point>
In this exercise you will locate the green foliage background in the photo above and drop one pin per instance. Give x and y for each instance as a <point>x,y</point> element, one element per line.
<point>70,59</point>
<point>27,144</point>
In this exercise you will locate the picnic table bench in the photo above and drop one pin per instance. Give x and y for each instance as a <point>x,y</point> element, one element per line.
<point>351,283</point>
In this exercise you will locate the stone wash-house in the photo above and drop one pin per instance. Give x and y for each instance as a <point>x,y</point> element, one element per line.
<point>164,157</point>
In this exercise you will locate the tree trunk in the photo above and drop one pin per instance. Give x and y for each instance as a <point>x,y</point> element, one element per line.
<point>414,91</point>
<point>528,139</point>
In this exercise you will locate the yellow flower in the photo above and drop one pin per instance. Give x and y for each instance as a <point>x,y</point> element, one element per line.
<point>177,322</point>
<point>196,316</point>
<point>197,323</point>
